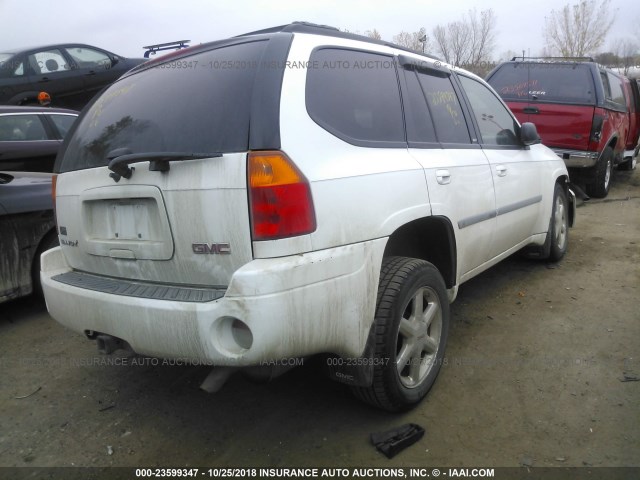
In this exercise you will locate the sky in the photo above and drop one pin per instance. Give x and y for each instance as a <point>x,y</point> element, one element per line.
<point>125,26</point>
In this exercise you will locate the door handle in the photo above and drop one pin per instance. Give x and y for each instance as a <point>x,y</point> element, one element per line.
<point>502,170</point>
<point>43,80</point>
<point>531,110</point>
<point>443,177</point>
<point>91,73</point>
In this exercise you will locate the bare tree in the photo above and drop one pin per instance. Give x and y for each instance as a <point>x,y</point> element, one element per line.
<point>508,55</point>
<point>467,42</point>
<point>441,38</point>
<point>375,34</point>
<point>626,50</point>
<point>482,35</point>
<point>417,41</point>
<point>579,29</point>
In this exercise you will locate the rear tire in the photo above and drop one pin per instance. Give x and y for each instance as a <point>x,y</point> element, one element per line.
<point>599,187</point>
<point>411,329</point>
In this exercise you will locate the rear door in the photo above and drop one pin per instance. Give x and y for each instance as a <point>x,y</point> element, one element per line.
<point>457,172</point>
<point>180,222</point>
<point>14,81</point>
<point>52,73</point>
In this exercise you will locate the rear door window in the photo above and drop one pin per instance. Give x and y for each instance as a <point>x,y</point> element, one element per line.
<point>355,95</point>
<point>435,111</point>
<point>48,61</point>
<point>196,104</point>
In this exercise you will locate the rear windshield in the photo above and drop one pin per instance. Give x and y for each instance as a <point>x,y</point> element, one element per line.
<point>545,82</point>
<point>195,104</point>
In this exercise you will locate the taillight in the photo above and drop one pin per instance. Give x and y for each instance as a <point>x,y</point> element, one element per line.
<point>596,126</point>
<point>280,197</point>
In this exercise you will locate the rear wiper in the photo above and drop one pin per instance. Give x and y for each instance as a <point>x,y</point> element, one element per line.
<point>120,158</point>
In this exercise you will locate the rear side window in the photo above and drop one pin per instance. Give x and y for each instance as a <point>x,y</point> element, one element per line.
<point>195,104</point>
<point>355,96</point>
<point>616,94</point>
<point>545,82</point>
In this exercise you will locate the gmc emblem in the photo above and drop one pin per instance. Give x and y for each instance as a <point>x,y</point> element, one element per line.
<point>211,248</point>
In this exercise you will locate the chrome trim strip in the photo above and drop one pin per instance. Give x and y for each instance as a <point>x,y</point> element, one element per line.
<point>518,205</point>
<point>481,217</point>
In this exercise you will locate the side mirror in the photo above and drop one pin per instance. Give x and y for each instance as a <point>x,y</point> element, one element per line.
<point>529,134</point>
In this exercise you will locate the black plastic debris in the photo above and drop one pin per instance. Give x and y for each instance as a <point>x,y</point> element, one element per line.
<point>394,441</point>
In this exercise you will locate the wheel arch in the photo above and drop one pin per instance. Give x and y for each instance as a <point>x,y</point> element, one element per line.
<point>48,240</point>
<point>429,238</point>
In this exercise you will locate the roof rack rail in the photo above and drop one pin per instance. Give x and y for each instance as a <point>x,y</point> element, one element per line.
<point>576,59</point>
<point>176,45</point>
<point>308,27</point>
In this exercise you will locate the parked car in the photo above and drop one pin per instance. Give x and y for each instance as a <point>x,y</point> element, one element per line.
<point>28,228</point>
<point>588,114</point>
<point>292,192</point>
<point>30,137</point>
<point>71,74</point>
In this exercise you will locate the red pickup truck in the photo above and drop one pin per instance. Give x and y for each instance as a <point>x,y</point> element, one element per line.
<point>588,114</point>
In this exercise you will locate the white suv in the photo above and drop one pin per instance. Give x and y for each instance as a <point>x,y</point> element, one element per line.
<point>292,192</point>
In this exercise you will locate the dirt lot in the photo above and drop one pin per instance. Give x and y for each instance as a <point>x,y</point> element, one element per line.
<point>537,359</point>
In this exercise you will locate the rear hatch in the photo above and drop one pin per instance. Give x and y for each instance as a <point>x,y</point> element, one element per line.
<point>179,129</point>
<point>559,98</point>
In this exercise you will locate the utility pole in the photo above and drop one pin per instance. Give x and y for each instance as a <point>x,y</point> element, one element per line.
<point>423,40</point>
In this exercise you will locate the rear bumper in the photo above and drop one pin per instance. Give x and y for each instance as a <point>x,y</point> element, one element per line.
<point>293,306</point>
<point>577,158</point>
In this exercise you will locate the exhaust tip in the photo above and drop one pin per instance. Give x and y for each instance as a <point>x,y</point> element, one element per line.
<point>108,344</point>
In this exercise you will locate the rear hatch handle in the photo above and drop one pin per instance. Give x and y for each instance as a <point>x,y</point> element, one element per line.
<point>120,158</point>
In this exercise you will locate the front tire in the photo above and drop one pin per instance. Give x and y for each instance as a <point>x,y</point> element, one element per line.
<point>629,164</point>
<point>411,329</point>
<point>559,225</point>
